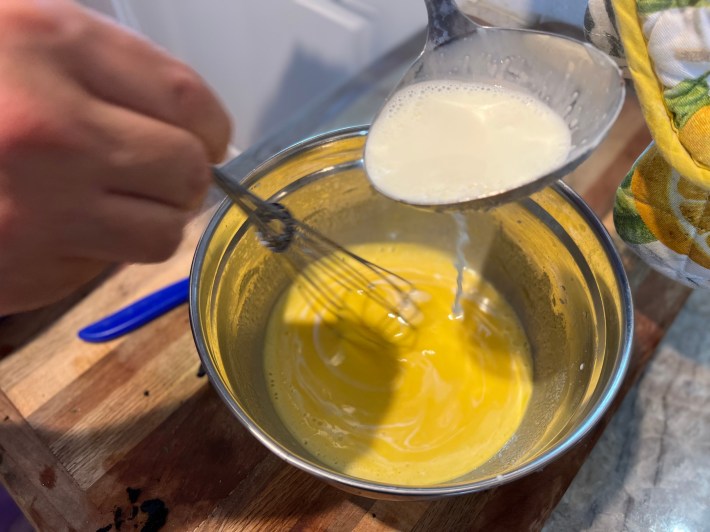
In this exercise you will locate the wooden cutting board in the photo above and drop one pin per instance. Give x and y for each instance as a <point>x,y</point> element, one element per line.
<point>127,435</point>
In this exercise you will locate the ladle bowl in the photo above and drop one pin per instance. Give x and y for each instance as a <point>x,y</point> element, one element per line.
<point>577,81</point>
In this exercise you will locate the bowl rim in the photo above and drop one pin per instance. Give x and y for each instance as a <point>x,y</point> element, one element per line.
<point>388,490</point>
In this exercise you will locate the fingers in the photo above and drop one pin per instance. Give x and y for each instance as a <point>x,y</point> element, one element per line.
<point>42,282</point>
<point>119,67</point>
<point>136,155</point>
<point>151,176</point>
<point>128,229</point>
<point>105,146</point>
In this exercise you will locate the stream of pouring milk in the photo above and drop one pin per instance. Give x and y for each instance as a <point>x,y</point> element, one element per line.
<point>462,240</point>
<point>447,142</point>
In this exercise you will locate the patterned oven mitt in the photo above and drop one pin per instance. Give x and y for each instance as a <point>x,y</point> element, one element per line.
<point>662,207</point>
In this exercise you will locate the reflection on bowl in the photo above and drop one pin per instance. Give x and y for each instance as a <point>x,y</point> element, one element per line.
<point>548,255</point>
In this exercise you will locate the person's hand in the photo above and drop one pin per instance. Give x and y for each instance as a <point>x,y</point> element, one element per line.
<point>105,145</point>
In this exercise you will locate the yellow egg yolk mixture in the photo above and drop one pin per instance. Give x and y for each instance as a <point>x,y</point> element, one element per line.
<point>400,404</point>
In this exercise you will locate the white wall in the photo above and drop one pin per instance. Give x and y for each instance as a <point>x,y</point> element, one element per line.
<point>268,58</point>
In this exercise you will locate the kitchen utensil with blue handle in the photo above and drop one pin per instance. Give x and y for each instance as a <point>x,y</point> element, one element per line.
<point>137,314</point>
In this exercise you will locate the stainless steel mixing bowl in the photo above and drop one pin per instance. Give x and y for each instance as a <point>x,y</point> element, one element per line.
<point>548,254</point>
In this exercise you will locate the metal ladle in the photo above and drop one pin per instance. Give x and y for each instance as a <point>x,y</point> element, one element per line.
<point>583,85</point>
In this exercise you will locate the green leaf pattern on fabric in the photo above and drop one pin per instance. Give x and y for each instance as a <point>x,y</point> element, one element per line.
<point>676,33</point>
<point>627,220</point>
<point>651,6</point>
<point>686,98</point>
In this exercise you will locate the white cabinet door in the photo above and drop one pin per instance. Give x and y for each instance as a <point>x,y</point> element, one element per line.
<point>268,58</point>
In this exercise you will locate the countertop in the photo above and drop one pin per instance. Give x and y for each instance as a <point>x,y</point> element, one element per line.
<point>651,468</point>
<point>80,424</point>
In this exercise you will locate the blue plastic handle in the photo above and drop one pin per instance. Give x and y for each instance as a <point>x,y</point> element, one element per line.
<point>137,314</point>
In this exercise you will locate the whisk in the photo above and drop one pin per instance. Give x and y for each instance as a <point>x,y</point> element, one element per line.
<point>322,263</point>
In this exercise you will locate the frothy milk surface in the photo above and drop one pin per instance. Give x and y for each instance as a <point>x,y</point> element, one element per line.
<point>446,142</point>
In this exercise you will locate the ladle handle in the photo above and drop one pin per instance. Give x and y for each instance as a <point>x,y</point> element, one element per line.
<point>446,22</point>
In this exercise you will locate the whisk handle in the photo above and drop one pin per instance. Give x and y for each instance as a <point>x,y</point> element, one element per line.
<point>238,193</point>
<point>262,213</point>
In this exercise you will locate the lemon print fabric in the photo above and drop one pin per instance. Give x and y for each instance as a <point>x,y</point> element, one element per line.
<point>667,48</point>
<point>689,103</point>
<point>662,207</point>
<point>665,218</point>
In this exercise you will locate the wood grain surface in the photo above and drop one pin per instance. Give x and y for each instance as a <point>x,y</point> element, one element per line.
<point>127,435</point>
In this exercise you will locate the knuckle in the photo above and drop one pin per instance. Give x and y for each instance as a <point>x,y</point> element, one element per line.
<point>223,131</point>
<point>187,88</point>
<point>26,18</point>
<point>199,110</point>
<point>198,182</point>
<point>194,166</point>
<point>26,128</point>
<point>73,27</point>
<point>166,242</point>
<point>58,23</point>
